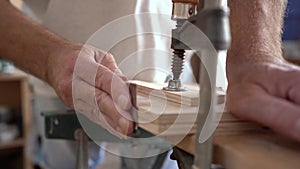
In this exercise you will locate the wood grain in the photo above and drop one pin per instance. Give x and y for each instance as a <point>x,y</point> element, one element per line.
<point>162,112</point>
<point>237,143</point>
<point>190,97</point>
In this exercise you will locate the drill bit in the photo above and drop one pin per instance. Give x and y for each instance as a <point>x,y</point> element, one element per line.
<point>177,67</point>
<point>177,64</point>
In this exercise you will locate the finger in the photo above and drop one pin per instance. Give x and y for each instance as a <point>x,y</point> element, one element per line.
<point>105,58</point>
<point>81,90</point>
<point>102,119</point>
<point>113,85</point>
<point>100,76</point>
<point>90,57</point>
<point>255,104</point>
<point>121,75</point>
<point>120,119</point>
<point>294,94</point>
<point>286,84</point>
<point>94,114</point>
<point>85,101</point>
<point>99,107</point>
<point>85,67</point>
<point>109,61</point>
<point>103,78</point>
<point>113,121</point>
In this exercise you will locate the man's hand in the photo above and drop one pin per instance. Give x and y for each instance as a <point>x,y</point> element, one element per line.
<point>267,93</point>
<point>262,86</point>
<point>88,80</point>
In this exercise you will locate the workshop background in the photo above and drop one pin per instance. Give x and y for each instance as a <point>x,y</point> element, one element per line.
<point>23,98</point>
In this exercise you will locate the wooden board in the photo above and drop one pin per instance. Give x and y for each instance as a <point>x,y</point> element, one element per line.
<point>190,97</point>
<point>237,143</point>
<point>164,115</point>
<point>249,151</point>
<point>157,110</point>
<point>167,130</point>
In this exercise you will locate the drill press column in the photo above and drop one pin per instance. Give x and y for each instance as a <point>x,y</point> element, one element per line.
<point>212,19</point>
<point>182,10</point>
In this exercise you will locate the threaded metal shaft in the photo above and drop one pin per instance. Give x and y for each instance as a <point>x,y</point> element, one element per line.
<point>177,63</point>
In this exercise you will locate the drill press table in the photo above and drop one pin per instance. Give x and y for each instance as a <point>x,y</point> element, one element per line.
<point>252,151</point>
<point>257,148</point>
<point>246,150</point>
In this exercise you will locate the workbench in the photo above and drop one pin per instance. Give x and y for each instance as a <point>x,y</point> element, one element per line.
<point>258,148</point>
<point>252,151</point>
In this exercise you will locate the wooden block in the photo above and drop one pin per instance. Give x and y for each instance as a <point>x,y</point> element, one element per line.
<point>158,114</point>
<point>188,98</point>
<point>259,151</point>
<point>249,150</point>
<point>167,130</point>
<point>157,110</point>
<point>237,143</point>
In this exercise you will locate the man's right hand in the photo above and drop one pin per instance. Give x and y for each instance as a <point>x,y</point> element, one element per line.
<point>267,93</point>
<point>88,80</point>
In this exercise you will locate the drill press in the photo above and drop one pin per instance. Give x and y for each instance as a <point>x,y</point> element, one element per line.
<point>212,18</point>
<point>181,12</point>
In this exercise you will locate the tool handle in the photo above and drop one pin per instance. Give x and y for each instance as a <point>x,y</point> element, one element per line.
<point>186,1</point>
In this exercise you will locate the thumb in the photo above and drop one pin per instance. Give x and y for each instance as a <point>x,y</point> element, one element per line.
<point>109,62</point>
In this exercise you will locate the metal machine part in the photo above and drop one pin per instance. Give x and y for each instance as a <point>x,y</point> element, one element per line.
<point>185,160</point>
<point>214,3</point>
<point>213,19</point>
<point>66,125</point>
<point>181,12</point>
<point>82,149</point>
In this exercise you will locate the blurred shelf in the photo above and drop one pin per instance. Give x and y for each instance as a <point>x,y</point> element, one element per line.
<point>15,94</point>
<point>15,144</point>
<point>18,75</point>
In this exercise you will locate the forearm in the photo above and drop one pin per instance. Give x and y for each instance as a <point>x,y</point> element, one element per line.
<point>26,44</point>
<point>256,27</point>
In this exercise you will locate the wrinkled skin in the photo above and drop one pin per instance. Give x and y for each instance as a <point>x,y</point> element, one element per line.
<point>268,93</point>
<point>88,79</point>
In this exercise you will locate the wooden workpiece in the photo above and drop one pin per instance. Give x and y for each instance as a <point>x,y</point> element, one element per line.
<point>252,148</point>
<point>171,113</point>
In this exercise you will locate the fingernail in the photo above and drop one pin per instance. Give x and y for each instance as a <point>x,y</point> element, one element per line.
<point>123,102</point>
<point>124,125</point>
